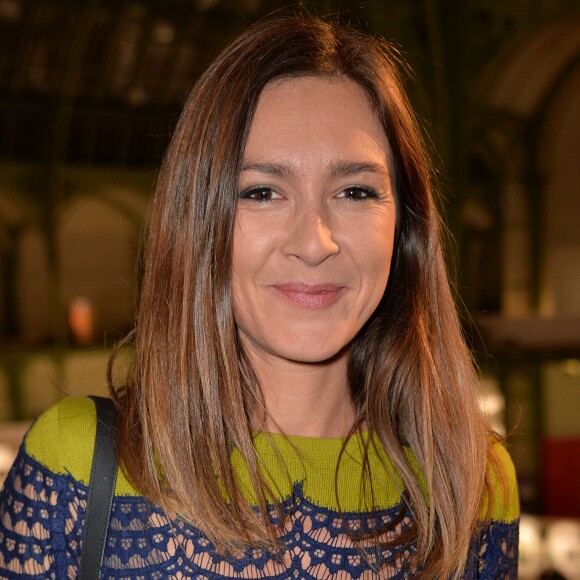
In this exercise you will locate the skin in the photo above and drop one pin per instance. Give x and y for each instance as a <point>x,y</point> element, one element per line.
<point>313,241</point>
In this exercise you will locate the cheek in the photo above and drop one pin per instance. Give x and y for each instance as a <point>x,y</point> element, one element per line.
<point>254,239</point>
<point>244,246</point>
<point>373,249</point>
<point>241,250</point>
<point>251,248</point>
<point>374,255</point>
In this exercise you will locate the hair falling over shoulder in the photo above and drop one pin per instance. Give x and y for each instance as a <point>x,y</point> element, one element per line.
<point>191,388</point>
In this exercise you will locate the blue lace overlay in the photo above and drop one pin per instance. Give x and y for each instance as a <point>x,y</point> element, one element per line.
<point>42,517</point>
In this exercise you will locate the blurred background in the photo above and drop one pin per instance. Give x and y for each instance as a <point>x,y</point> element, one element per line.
<point>89,93</point>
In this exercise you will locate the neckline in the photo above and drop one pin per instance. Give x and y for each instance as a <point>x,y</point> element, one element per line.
<point>320,448</point>
<point>313,462</point>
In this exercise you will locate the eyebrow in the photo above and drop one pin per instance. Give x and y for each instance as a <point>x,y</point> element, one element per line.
<point>336,168</point>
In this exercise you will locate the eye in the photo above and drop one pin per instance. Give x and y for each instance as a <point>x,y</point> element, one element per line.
<point>263,194</point>
<point>357,193</point>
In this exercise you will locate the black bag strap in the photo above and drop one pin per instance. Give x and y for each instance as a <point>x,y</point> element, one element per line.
<point>101,491</point>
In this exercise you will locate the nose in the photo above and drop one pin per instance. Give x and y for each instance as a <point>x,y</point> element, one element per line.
<point>310,237</point>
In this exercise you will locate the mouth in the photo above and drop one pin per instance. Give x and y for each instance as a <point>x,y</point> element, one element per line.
<point>309,296</point>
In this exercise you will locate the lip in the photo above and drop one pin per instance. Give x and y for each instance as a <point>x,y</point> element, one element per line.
<point>309,296</point>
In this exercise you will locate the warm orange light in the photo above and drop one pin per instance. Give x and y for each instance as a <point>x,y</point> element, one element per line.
<point>80,321</point>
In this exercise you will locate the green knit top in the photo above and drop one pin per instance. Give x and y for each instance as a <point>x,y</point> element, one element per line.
<point>43,502</point>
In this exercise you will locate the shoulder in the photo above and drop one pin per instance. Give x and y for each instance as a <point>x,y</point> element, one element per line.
<point>501,498</point>
<point>62,439</point>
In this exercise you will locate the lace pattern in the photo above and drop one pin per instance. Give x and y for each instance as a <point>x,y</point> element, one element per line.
<point>42,517</point>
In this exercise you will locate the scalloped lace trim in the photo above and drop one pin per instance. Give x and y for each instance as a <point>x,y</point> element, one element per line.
<point>42,517</point>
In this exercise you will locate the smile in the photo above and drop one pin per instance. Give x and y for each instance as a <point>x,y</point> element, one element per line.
<point>309,296</point>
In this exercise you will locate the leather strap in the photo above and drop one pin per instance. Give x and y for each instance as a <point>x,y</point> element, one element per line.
<point>101,491</point>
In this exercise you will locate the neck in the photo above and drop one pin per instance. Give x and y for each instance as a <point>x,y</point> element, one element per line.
<point>306,399</point>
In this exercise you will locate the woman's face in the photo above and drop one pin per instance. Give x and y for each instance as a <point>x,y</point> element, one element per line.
<point>315,220</point>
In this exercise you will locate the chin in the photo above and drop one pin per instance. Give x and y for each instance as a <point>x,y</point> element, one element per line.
<point>313,354</point>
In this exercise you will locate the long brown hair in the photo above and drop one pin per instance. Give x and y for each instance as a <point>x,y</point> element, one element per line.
<point>191,390</point>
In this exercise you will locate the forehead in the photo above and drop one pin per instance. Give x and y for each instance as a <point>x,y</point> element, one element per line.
<point>324,116</point>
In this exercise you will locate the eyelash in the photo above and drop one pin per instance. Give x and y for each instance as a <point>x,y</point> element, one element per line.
<point>253,193</point>
<point>368,193</point>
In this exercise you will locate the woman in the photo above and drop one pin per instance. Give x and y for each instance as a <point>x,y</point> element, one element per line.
<point>301,404</point>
